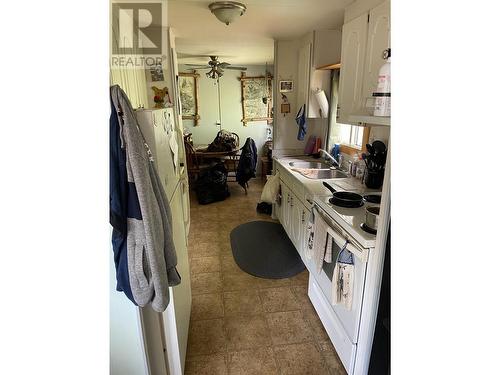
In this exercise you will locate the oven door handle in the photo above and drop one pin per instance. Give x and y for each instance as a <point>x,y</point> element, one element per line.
<point>341,238</point>
<point>360,254</point>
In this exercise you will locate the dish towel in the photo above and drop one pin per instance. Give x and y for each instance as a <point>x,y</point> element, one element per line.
<point>309,236</point>
<point>343,279</point>
<point>328,252</point>
<point>319,239</point>
<point>301,122</point>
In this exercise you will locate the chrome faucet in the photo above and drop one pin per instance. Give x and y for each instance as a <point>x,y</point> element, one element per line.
<point>329,156</point>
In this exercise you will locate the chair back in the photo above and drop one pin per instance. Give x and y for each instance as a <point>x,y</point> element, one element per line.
<point>191,158</point>
<point>237,138</point>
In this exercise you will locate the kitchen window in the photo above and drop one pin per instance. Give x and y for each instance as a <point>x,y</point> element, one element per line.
<point>351,135</point>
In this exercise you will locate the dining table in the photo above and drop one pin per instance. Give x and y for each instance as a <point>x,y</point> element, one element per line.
<point>230,158</point>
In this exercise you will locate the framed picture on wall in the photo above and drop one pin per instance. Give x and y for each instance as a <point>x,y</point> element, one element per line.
<point>188,87</point>
<point>286,86</point>
<point>256,98</point>
<point>157,73</point>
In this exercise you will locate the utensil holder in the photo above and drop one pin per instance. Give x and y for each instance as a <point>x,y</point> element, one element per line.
<point>374,179</point>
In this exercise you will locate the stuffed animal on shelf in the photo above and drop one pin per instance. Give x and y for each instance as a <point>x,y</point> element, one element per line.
<point>160,96</point>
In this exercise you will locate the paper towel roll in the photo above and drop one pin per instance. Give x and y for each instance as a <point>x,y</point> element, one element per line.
<point>322,102</point>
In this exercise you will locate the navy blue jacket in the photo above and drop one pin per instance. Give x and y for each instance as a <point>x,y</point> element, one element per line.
<point>123,203</point>
<point>247,163</point>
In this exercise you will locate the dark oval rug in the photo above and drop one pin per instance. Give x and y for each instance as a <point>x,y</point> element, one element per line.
<point>263,249</point>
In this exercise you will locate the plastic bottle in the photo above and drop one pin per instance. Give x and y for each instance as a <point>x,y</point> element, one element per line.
<point>360,171</point>
<point>354,165</point>
<point>383,93</point>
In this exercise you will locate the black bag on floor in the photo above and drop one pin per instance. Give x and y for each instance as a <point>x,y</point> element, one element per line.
<point>264,208</point>
<point>211,185</point>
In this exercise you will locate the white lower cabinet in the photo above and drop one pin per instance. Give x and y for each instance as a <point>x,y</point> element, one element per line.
<point>292,215</point>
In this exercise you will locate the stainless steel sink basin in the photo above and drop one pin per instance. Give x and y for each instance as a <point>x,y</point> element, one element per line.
<point>309,164</point>
<point>318,174</point>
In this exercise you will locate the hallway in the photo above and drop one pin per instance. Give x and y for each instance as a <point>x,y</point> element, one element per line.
<point>241,324</point>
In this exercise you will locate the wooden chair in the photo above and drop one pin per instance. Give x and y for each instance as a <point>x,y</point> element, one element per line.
<point>194,164</point>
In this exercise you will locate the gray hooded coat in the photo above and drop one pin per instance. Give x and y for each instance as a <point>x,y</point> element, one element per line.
<point>150,249</point>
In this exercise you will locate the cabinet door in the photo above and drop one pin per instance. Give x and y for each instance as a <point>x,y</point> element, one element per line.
<point>379,29</point>
<point>304,219</point>
<point>295,221</point>
<point>285,204</point>
<point>354,36</point>
<point>298,225</point>
<point>304,77</point>
<point>286,211</point>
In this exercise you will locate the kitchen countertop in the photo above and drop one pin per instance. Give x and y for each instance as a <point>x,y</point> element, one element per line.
<point>349,219</point>
<point>315,187</point>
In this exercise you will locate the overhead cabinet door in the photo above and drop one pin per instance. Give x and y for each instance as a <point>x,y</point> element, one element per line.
<point>379,29</point>
<point>354,36</point>
<point>304,76</point>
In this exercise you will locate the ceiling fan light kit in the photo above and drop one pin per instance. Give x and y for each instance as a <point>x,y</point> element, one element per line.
<point>216,67</point>
<point>227,11</point>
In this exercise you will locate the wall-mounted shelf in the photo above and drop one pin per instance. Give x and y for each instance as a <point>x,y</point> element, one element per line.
<point>370,120</point>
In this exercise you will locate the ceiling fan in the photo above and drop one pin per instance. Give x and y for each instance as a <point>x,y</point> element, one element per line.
<point>216,67</point>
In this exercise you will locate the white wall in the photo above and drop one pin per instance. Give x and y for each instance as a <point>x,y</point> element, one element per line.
<point>126,354</point>
<point>231,109</point>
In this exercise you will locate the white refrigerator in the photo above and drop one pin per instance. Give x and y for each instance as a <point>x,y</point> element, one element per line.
<point>142,340</point>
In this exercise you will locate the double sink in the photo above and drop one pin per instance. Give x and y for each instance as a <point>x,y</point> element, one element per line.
<point>316,170</point>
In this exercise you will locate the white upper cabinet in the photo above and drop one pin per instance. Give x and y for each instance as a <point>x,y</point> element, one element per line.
<point>364,40</point>
<point>304,76</point>
<point>379,33</point>
<point>354,35</point>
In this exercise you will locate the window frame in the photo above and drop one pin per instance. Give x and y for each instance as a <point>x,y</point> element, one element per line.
<point>350,150</point>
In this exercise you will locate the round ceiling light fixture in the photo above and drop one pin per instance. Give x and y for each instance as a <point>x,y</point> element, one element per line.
<point>227,11</point>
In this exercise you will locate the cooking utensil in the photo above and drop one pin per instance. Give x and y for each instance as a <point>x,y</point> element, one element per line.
<point>371,217</point>
<point>344,198</point>
<point>379,147</point>
<point>374,178</point>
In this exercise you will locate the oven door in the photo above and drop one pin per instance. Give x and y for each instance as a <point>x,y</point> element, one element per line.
<point>348,318</point>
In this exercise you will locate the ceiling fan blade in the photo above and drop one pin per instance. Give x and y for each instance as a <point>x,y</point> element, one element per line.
<point>197,66</point>
<point>184,55</point>
<point>236,67</point>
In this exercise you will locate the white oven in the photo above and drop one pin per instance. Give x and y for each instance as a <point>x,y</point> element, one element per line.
<point>342,325</point>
